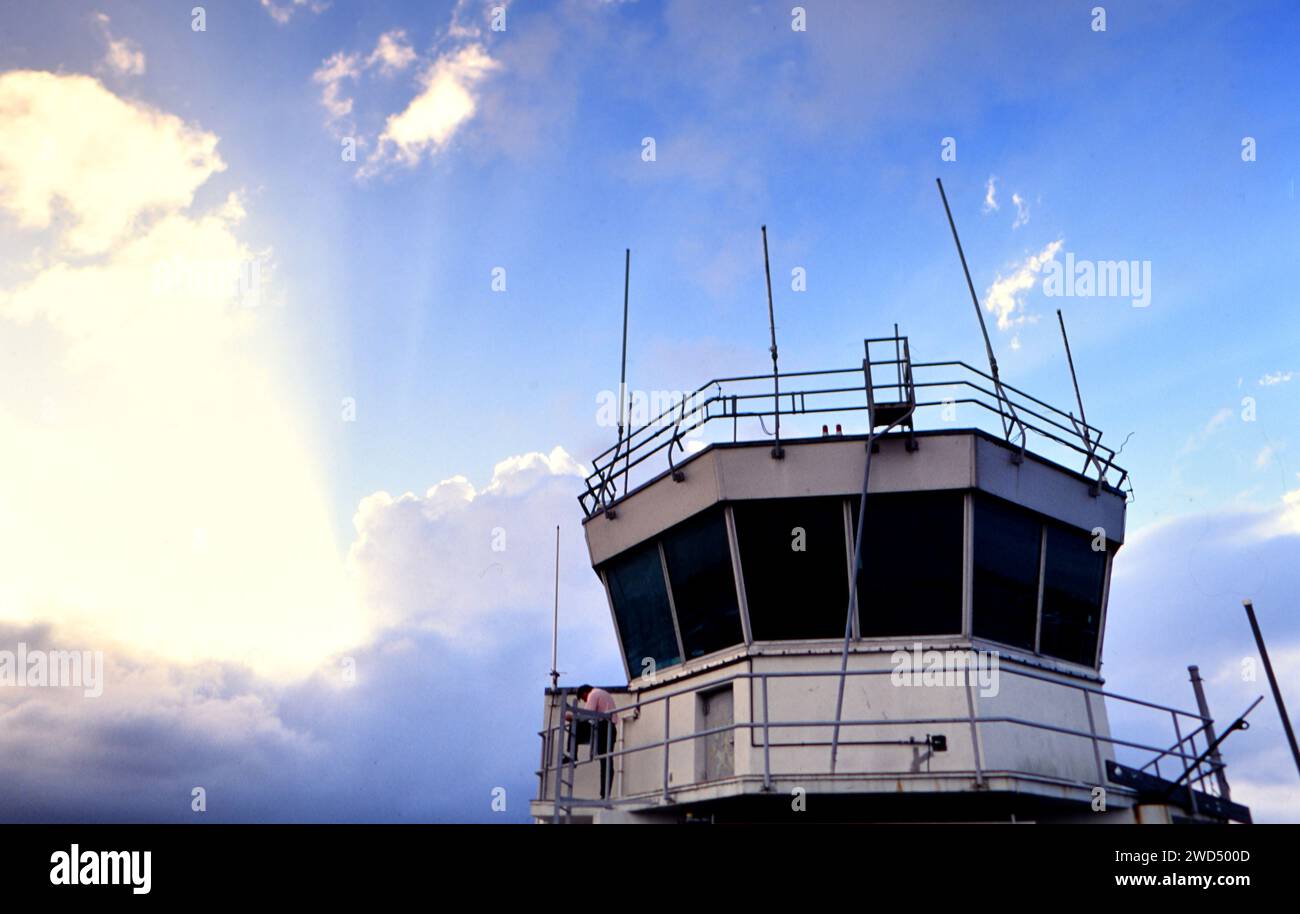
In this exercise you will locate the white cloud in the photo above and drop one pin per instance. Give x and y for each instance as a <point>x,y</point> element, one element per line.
<point>145,162</point>
<point>990,194</point>
<point>331,74</point>
<point>282,12</point>
<point>124,56</point>
<point>1275,377</point>
<point>449,87</point>
<point>1265,456</point>
<point>447,101</point>
<point>166,500</point>
<point>457,618</point>
<point>392,52</point>
<point>443,560</point>
<point>1198,438</point>
<point>1022,211</point>
<point>1006,297</point>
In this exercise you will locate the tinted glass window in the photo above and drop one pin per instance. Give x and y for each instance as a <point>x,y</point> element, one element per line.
<point>910,583</point>
<point>1072,590</point>
<point>704,587</point>
<point>1005,596</point>
<point>645,623</point>
<point>795,564</point>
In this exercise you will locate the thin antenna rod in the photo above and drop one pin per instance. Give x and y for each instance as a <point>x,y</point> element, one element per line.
<point>555,619</point>
<point>622,377</point>
<point>623,403</point>
<point>777,452</point>
<point>979,313</point>
<point>1272,681</point>
<point>1078,398</point>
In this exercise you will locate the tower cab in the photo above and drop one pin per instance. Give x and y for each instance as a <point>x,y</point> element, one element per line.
<point>934,654</point>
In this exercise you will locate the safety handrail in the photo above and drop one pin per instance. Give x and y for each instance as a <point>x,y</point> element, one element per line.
<point>728,399</point>
<point>766,724</point>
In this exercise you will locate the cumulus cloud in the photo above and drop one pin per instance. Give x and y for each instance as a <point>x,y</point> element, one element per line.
<point>387,729</point>
<point>1274,378</point>
<point>145,162</point>
<point>153,484</point>
<point>1006,297</point>
<point>405,545</point>
<point>1175,600</point>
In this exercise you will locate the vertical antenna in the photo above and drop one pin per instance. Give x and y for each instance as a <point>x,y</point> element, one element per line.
<point>777,452</point>
<point>1078,398</point>
<point>607,482</point>
<point>979,313</point>
<point>1272,681</point>
<point>622,377</point>
<point>555,619</point>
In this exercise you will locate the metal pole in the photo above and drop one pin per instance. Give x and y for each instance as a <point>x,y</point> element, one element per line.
<point>1078,397</point>
<point>767,742</point>
<point>979,313</point>
<point>853,599</point>
<point>555,618</point>
<point>1272,681</point>
<point>668,703</point>
<point>622,377</point>
<point>777,452</point>
<point>1203,708</point>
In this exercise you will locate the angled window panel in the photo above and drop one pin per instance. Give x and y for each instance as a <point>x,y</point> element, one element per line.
<point>1008,541</point>
<point>911,581</point>
<point>792,555</point>
<point>1073,579</point>
<point>698,555</point>
<point>640,598</point>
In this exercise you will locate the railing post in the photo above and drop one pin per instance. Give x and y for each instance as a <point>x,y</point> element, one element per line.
<point>1182,761</point>
<point>974,735</point>
<point>767,741</point>
<point>668,704</point>
<point>1092,729</point>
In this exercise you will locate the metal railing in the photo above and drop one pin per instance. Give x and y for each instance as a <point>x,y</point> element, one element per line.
<point>819,395</point>
<point>554,739</point>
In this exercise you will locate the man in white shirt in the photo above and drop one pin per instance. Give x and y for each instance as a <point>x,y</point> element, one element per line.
<point>594,699</point>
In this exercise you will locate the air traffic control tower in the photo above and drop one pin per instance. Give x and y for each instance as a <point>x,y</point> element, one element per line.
<point>955,676</point>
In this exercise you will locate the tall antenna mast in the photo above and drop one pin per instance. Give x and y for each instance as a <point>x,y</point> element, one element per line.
<point>622,377</point>
<point>607,480</point>
<point>777,452</point>
<point>1078,398</point>
<point>1272,681</point>
<point>979,313</point>
<point>555,618</point>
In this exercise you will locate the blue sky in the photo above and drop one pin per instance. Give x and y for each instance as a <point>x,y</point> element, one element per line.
<point>1118,144</point>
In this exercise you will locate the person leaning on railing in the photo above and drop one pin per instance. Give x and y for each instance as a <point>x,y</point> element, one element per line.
<point>600,701</point>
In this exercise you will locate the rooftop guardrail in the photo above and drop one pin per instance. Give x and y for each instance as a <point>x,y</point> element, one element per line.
<point>702,415</point>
